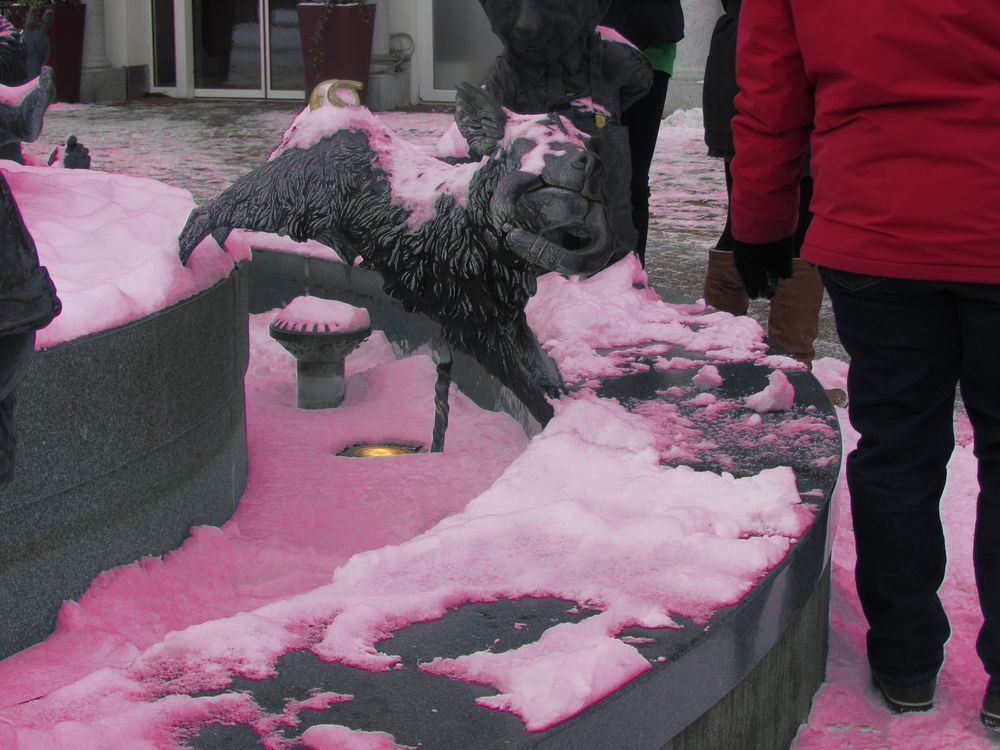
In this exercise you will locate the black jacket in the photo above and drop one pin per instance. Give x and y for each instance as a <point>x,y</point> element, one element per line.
<point>28,299</point>
<point>646,23</point>
<point>720,82</point>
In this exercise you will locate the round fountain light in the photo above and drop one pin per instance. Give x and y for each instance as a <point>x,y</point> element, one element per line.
<point>379,450</point>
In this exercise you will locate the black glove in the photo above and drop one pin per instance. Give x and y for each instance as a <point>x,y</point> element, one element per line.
<point>760,266</point>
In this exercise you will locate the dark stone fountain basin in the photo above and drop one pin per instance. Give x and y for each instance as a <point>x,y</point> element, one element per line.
<point>121,455</point>
<point>745,679</point>
<point>128,438</point>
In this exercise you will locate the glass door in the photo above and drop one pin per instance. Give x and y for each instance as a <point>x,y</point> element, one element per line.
<point>456,44</point>
<point>236,54</point>
<point>164,45</point>
<point>285,76</point>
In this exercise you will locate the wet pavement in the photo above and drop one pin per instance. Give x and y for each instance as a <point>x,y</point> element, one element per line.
<point>203,145</point>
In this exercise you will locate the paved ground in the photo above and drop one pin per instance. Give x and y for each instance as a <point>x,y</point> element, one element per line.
<point>202,145</point>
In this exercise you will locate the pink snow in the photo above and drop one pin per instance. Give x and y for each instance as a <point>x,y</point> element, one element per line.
<point>708,377</point>
<point>417,178</point>
<point>586,669</point>
<point>283,244</point>
<point>12,95</point>
<point>573,318</point>
<point>589,106</point>
<point>610,35</point>
<point>779,395</point>
<point>332,737</point>
<point>110,244</point>
<point>452,143</point>
<point>319,315</point>
<point>590,487</point>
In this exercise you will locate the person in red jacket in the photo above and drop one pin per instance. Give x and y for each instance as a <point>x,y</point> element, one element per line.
<point>904,125</point>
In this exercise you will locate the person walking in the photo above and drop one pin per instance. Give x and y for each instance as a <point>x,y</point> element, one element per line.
<point>655,27</point>
<point>903,121</point>
<point>793,314</point>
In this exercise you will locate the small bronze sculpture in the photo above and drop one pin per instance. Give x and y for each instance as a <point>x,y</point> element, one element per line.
<point>468,252</point>
<point>73,156</point>
<point>556,60</point>
<point>28,302</point>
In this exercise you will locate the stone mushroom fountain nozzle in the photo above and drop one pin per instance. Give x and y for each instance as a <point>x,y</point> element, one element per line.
<point>320,333</point>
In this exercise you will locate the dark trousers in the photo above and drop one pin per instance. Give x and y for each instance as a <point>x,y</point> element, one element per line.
<point>910,343</point>
<point>643,122</point>
<point>15,353</point>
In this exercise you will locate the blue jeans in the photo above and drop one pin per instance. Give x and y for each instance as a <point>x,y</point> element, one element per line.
<point>910,343</point>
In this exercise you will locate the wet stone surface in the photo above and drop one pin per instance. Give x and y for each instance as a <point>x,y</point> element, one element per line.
<point>411,705</point>
<point>419,709</point>
<point>723,435</point>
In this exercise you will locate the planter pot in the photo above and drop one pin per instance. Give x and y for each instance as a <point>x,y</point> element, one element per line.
<point>336,43</point>
<point>66,40</point>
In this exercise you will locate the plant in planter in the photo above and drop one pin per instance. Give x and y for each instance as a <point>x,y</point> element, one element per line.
<point>65,40</point>
<point>336,41</point>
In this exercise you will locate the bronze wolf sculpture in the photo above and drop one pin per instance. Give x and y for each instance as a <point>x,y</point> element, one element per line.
<point>460,243</point>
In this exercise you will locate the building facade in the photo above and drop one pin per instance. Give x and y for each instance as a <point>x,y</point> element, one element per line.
<point>250,48</point>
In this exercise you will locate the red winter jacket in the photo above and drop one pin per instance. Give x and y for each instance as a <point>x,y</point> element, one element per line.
<point>902,100</point>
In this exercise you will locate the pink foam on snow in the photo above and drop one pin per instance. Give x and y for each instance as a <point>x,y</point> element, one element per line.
<point>578,515</point>
<point>110,245</point>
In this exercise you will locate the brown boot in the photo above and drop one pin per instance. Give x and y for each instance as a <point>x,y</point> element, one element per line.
<point>723,286</point>
<point>793,321</point>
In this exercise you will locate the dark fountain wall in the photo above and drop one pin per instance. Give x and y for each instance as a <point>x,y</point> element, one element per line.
<point>128,438</point>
